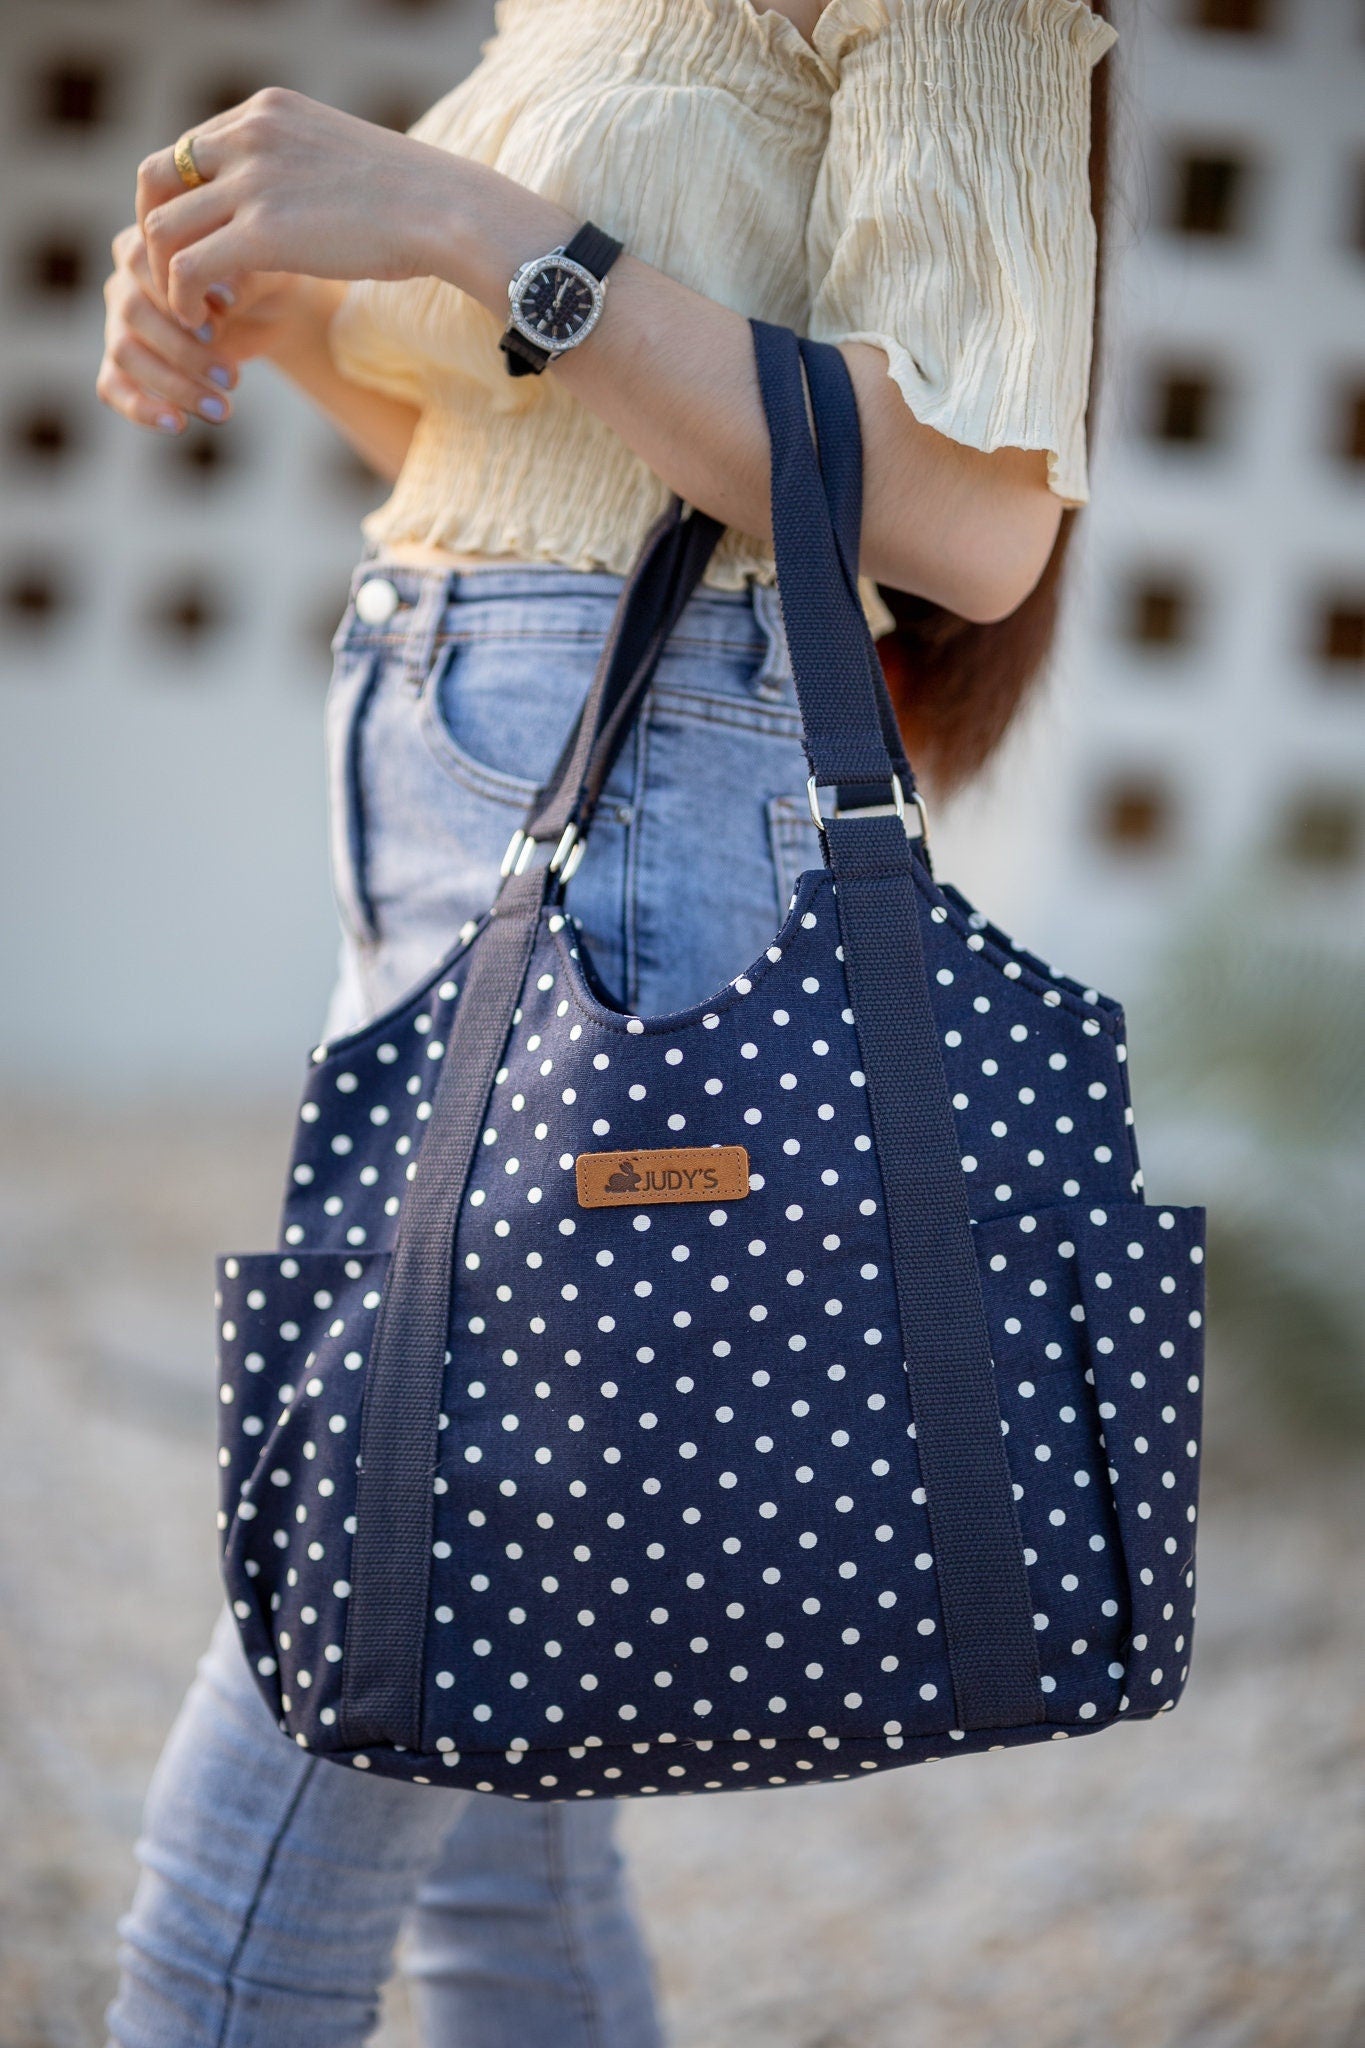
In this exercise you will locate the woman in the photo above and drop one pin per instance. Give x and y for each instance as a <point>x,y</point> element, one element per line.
<point>906,178</point>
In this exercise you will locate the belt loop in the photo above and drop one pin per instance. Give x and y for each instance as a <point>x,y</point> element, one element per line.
<point>425,623</point>
<point>774,678</point>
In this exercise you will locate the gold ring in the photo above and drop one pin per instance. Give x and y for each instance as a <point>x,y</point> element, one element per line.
<point>183,153</point>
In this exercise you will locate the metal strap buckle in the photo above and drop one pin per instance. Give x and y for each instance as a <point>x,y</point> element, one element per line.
<point>895,809</point>
<point>562,862</point>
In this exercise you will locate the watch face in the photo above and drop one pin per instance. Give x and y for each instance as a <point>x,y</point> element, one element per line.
<point>556,303</point>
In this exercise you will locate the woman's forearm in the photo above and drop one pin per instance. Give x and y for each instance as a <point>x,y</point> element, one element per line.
<point>378,427</point>
<point>291,185</point>
<point>671,372</point>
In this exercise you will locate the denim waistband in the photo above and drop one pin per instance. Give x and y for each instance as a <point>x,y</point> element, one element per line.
<point>517,579</point>
<point>436,604</point>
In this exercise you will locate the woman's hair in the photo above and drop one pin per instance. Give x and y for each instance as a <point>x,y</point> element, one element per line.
<point>957,686</point>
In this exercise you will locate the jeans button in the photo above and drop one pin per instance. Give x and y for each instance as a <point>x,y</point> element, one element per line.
<point>376,600</point>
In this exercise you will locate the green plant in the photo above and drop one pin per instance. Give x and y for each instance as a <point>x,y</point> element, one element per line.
<point>1252,1093</point>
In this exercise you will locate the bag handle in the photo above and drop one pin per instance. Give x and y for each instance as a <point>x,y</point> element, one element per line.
<point>838,678</point>
<point>839,451</point>
<point>983,1587</point>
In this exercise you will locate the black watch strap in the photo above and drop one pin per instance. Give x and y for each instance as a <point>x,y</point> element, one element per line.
<point>524,359</point>
<point>596,250</point>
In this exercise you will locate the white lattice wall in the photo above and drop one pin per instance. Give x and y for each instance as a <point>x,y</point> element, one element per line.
<point>165,913</point>
<point>1212,712</point>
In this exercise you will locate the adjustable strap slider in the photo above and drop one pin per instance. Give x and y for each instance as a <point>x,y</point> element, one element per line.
<point>893,807</point>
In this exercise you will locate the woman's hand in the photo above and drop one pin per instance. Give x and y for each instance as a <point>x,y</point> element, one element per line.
<point>289,185</point>
<point>294,186</point>
<point>157,374</point>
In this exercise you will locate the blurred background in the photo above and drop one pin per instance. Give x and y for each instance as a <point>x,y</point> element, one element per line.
<point>1181,819</point>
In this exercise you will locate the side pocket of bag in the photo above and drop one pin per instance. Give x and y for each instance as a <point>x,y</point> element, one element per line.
<point>294,1334</point>
<point>1095,1317</point>
<point>1143,1295</point>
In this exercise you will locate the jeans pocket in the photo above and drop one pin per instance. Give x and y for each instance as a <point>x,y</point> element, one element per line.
<point>795,845</point>
<point>497,708</point>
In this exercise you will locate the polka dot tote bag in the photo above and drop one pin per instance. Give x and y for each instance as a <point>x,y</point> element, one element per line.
<point>786,1389</point>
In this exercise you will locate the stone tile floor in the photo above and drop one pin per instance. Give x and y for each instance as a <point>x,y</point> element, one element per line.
<point>1198,1883</point>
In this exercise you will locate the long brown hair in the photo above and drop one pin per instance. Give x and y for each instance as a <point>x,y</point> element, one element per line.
<point>957,686</point>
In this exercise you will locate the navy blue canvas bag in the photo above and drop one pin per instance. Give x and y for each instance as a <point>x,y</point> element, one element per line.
<point>782,1390</point>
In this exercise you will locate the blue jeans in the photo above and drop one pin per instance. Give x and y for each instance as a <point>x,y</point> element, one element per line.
<point>275,1883</point>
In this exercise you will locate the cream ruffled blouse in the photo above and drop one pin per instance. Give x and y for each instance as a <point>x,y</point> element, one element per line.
<point>916,178</point>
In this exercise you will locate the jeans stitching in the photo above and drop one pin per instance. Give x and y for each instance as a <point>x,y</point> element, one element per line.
<point>249,1916</point>
<point>354,819</point>
<point>696,707</point>
<point>630,870</point>
<point>356,642</point>
<point>773,721</point>
<point>792,846</point>
<point>559,1892</point>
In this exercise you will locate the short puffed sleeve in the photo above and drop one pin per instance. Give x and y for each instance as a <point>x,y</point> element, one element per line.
<point>363,346</point>
<point>951,223</point>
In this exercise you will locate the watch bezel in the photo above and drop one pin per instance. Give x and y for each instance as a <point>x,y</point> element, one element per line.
<point>596,285</point>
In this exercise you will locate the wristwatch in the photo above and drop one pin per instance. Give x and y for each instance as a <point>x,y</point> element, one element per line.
<point>557,300</point>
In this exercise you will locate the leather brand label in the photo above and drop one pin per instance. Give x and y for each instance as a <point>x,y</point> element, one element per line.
<point>680,1173</point>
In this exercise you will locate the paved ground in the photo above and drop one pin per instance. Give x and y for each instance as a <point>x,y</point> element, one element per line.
<point>1194,1884</point>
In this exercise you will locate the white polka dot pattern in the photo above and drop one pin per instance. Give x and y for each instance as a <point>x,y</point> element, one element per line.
<point>681,1540</point>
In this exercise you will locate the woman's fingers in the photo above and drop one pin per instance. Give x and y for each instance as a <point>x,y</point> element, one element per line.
<point>131,259</point>
<point>211,370</point>
<point>200,273</point>
<point>158,180</point>
<point>153,372</point>
<point>171,387</point>
<point>132,305</point>
<point>133,308</point>
<point>118,391</point>
<point>182,221</point>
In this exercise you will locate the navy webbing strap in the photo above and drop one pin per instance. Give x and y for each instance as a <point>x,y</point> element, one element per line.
<point>978,1550</point>
<point>840,457</point>
<point>696,544</point>
<point>386,1614</point>
<point>671,564</point>
<point>837,694</point>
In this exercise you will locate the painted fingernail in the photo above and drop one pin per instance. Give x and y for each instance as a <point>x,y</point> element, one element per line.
<point>223,293</point>
<point>168,423</point>
<point>204,333</point>
<point>213,408</point>
<point>219,374</point>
